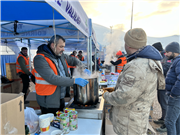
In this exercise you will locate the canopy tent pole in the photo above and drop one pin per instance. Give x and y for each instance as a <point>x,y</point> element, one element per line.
<point>95,56</point>
<point>29,45</point>
<point>88,53</point>
<point>90,56</point>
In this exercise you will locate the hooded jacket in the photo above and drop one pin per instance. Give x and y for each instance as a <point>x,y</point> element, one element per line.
<point>62,80</point>
<point>173,78</point>
<point>135,91</point>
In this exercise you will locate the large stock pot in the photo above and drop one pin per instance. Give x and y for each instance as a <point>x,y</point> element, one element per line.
<point>87,95</point>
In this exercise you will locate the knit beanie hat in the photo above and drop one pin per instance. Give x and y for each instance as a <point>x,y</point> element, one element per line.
<point>136,38</point>
<point>158,46</point>
<point>173,47</point>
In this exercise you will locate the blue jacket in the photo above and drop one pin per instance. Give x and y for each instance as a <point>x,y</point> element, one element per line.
<point>148,52</point>
<point>173,78</point>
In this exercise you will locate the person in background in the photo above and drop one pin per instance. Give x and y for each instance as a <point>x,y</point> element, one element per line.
<point>51,74</point>
<point>72,67</point>
<point>73,54</point>
<point>120,62</point>
<point>161,94</point>
<point>23,69</point>
<point>172,119</point>
<point>136,86</point>
<point>97,63</point>
<point>80,56</point>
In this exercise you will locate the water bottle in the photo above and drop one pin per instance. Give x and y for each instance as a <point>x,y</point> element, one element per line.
<point>102,76</point>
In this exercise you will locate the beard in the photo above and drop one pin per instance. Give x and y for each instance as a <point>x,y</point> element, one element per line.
<point>60,53</point>
<point>170,57</point>
<point>56,53</point>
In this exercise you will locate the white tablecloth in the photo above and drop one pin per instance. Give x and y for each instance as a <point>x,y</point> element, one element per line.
<point>85,127</point>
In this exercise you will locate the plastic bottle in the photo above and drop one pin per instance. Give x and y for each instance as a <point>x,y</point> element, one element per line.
<point>102,76</point>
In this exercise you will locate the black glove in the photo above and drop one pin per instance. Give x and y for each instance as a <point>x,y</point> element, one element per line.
<point>30,74</point>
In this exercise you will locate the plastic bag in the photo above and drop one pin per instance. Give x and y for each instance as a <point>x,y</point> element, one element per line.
<point>31,120</point>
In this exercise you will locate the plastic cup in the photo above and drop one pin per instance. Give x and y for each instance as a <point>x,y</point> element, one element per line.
<point>51,115</point>
<point>44,122</point>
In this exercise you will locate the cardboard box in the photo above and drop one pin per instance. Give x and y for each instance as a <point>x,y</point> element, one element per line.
<point>1,88</point>
<point>32,100</point>
<point>17,86</point>
<point>6,88</point>
<point>34,105</point>
<point>12,114</point>
<point>107,109</point>
<point>11,71</point>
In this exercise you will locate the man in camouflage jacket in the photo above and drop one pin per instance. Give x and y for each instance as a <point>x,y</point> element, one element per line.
<point>136,86</point>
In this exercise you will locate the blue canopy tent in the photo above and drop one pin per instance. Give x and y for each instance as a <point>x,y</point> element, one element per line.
<point>29,20</point>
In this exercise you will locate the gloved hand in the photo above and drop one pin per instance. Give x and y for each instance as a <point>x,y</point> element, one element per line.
<point>100,69</point>
<point>87,71</point>
<point>101,64</point>
<point>110,89</point>
<point>81,82</point>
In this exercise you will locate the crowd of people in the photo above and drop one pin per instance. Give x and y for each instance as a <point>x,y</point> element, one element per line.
<point>149,70</point>
<point>145,71</point>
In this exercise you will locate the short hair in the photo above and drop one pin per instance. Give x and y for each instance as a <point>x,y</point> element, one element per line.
<point>80,51</point>
<point>23,48</point>
<point>55,39</point>
<point>74,52</point>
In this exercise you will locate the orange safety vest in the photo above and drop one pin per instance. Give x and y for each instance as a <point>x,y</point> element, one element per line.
<point>74,56</point>
<point>33,72</point>
<point>18,67</point>
<point>81,58</point>
<point>67,63</point>
<point>69,66</point>
<point>120,66</point>
<point>42,87</point>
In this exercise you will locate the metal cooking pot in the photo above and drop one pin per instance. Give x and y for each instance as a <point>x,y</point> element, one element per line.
<point>87,95</point>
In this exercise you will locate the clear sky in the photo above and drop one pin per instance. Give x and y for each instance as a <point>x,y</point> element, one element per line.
<point>159,18</point>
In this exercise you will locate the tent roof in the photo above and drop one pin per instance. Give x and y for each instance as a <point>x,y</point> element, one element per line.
<point>29,13</point>
<point>27,10</point>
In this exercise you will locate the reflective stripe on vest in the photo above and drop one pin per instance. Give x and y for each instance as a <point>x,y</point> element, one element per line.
<point>69,66</point>
<point>39,81</point>
<point>18,67</point>
<point>121,65</point>
<point>43,87</point>
<point>33,72</point>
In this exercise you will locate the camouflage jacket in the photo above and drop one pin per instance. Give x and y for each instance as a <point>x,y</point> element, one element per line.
<point>134,93</point>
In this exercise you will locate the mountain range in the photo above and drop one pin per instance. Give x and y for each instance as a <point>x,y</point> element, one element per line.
<point>102,33</point>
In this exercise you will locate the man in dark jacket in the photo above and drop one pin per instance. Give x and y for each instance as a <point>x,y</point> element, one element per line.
<point>73,55</point>
<point>80,56</point>
<point>52,75</point>
<point>162,97</point>
<point>97,63</point>
<point>172,119</point>
<point>23,69</point>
